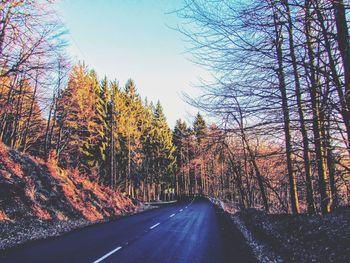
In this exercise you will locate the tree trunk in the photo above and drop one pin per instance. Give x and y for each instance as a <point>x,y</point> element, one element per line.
<point>306,149</point>
<point>343,40</point>
<point>343,96</point>
<point>26,130</point>
<point>285,108</point>
<point>314,95</point>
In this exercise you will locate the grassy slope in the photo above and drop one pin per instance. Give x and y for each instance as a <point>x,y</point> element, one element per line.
<point>37,199</point>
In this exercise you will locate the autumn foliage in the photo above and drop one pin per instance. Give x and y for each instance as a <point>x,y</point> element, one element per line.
<point>32,188</point>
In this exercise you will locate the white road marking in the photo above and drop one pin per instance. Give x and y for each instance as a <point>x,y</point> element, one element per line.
<point>107,255</point>
<point>154,226</point>
<point>118,248</point>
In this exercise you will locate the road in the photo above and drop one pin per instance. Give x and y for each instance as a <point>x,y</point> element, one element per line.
<point>193,231</point>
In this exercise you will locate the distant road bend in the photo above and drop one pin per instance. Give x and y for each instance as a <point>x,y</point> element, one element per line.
<point>193,231</point>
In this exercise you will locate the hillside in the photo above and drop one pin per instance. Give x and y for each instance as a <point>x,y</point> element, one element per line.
<point>37,199</point>
<point>297,238</point>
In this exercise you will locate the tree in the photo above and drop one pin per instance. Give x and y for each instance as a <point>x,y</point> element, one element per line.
<point>80,120</point>
<point>163,149</point>
<point>30,44</point>
<point>199,126</point>
<point>282,62</point>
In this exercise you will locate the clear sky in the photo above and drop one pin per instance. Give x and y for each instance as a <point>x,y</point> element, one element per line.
<point>125,39</point>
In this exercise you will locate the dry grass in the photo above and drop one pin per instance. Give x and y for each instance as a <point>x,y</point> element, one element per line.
<point>60,216</point>
<point>41,213</point>
<point>5,159</point>
<point>40,186</point>
<point>38,199</point>
<point>30,190</point>
<point>3,216</point>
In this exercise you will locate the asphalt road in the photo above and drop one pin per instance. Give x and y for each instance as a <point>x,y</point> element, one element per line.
<point>194,231</point>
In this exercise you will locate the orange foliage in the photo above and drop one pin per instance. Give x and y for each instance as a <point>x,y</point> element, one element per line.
<point>30,189</point>
<point>41,213</point>
<point>79,201</point>
<point>3,216</point>
<point>4,157</point>
<point>60,216</point>
<point>5,174</point>
<point>88,198</point>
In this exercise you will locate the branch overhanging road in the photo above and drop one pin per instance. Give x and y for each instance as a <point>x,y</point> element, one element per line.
<point>194,231</point>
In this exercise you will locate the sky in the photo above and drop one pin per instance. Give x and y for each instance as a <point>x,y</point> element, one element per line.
<point>125,39</point>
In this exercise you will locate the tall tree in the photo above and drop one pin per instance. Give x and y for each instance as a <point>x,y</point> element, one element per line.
<point>80,121</point>
<point>163,150</point>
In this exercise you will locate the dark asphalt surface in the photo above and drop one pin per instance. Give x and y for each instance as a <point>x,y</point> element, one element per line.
<point>183,232</point>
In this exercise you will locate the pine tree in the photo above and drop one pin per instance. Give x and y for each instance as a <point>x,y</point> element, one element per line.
<point>146,118</point>
<point>81,123</point>
<point>199,126</point>
<point>163,150</point>
<point>98,139</point>
<point>180,140</point>
<point>129,108</point>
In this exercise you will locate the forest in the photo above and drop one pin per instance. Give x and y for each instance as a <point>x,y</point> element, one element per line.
<point>280,101</point>
<point>281,94</point>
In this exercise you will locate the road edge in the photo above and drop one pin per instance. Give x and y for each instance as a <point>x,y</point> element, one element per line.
<point>54,228</point>
<point>259,250</point>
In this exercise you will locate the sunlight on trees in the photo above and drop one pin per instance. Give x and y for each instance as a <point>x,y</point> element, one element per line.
<point>280,99</point>
<point>281,71</point>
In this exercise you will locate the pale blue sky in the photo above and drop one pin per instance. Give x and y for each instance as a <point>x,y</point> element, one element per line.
<point>130,39</point>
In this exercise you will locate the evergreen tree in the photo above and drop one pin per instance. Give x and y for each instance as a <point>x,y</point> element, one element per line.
<point>199,126</point>
<point>98,139</point>
<point>104,117</point>
<point>180,130</point>
<point>146,122</point>
<point>163,149</point>
<point>81,121</point>
<point>129,109</point>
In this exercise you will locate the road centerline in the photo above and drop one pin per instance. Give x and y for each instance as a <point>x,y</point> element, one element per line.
<point>171,215</point>
<point>107,255</point>
<point>154,226</point>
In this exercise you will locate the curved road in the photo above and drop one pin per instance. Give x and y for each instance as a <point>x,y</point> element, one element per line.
<point>194,231</point>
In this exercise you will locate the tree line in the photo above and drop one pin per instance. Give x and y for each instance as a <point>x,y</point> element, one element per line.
<point>282,81</point>
<point>66,114</point>
<point>54,111</point>
<point>280,99</point>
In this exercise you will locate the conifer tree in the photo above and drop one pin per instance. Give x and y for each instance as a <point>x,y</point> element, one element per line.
<point>180,139</point>
<point>199,126</point>
<point>146,150</point>
<point>80,117</point>
<point>163,150</point>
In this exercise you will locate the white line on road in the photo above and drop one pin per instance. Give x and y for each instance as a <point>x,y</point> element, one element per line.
<point>181,210</point>
<point>107,255</point>
<point>154,226</point>
<point>172,215</point>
